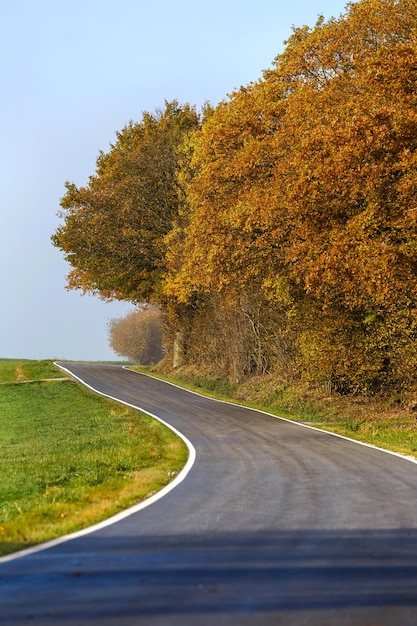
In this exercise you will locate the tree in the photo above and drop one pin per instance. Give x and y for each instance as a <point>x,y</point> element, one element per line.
<point>278,233</point>
<point>138,335</point>
<point>351,87</point>
<point>304,190</point>
<point>114,227</point>
<point>225,245</point>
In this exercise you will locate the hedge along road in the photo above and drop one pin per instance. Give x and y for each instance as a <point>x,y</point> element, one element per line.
<point>274,524</point>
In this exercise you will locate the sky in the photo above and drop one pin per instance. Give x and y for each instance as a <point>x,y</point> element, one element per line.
<point>72,74</point>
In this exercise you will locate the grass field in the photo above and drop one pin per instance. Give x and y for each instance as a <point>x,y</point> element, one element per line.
<point>70,458</point>
<point>22,370</point>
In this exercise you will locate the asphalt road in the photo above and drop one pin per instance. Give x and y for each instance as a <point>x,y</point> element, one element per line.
<point>275,524</point>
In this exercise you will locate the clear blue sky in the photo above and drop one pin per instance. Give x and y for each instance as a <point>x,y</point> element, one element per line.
<point>74,72</point>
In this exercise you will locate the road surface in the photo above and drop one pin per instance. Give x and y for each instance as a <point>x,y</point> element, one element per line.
<point>275,524</point>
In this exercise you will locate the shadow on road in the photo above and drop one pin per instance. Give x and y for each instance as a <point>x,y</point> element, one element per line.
<point>267,572</point>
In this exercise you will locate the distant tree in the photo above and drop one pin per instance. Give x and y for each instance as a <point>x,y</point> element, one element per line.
<point>138,335</point>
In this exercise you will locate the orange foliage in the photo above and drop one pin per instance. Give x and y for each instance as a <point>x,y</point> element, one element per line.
<point>288,219</point>
<point>305,185</point>
<point>114,228</point>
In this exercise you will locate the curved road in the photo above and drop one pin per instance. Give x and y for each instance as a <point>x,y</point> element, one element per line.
<point>275,524</point>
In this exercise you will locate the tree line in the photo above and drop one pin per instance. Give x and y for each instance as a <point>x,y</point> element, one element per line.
<point>277,230</point>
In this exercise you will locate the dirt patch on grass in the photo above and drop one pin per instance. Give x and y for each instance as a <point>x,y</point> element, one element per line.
<point>20,374</point>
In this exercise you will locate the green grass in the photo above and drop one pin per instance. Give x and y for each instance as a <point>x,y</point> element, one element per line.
<point>21,370</point>
<point>70,458</point>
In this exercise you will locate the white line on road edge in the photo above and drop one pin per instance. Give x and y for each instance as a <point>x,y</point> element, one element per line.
<point>127,512</point>
<point>411,459</point>
<point>187,467</point>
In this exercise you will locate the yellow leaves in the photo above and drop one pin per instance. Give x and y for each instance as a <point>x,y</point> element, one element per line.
<point>277,289</point>
<point>300,190</point>
<point>304,184</point>
<point>114,228</point>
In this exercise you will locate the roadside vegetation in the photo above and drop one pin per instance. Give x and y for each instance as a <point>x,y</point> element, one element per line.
<point>276,231</point>
<point>380,421</point>
<point>23,370</point>
<point>138,335</point>
<point>70,458</point>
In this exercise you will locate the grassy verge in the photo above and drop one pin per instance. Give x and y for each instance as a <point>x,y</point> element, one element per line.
<point>381,421</point>
<point>70,458</point>
<point>23,370</point>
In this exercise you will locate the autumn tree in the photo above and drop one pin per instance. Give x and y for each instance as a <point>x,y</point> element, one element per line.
<point>138,335</point>
<point>279,232</point>
<point>304,193</point>
<point>230,245</point>
<point>113,228</point>
<point>352,108</point>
